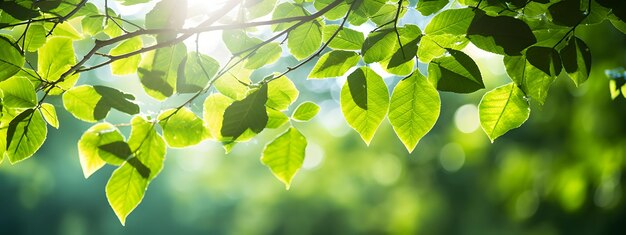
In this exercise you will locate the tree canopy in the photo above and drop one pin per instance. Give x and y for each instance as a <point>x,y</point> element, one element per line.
<point>47,47</point>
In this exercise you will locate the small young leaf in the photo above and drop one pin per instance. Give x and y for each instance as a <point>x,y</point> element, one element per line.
<point>334,64</point>
<point>364,102</point>
<point>305,39</point>
<point>126,65</point>
<point>285,155</point>
<point>276,119</point>
<point>576,58</point>
<point>455,73</point>
<point>245,114</point>
<point>182,128</point>
<point>503,109</point>
<point>414,109</point>
<point>90,155</point>
<point>50,115</point>
<point>305,111</point>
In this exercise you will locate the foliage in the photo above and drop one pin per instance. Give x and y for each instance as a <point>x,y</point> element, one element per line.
<point>41,59</point>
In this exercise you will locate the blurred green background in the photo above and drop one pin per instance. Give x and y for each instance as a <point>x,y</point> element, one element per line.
<point>560,173</point>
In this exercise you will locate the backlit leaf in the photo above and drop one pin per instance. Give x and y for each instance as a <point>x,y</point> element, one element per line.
<point>503,109</point>
<point>285,155</point>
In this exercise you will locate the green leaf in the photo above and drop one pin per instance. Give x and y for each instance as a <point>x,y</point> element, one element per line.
<point>213,113</point>
<point>195,72</point>
<point>386,14</point>
<point>132,2</point>
<point>33,39</point>
<point>428,7</point>
<point>346,38</point>
<point>11,61</point>
<point>234,83</point>
<point>126,65</point>
<point>336,13</point>
<point>566,13</point>
<point>501,34</point>
<point>281,93</point>
<point>126,188</point>
<point>286,10</point>
<point>245,114</point>
<point>576,58</point>
<point>158,70</point>
<point>433,46</point>
<point>305,39</point>
<point>276,119</point>
<point>18,92</point>
<point>305,111</point>
<point>50,114</point>
<point>414,109</point>
<point>92,103</point>
<point>503,109</point>
<point>535,71</point>
<point>267,54</point>
<point>91,157</point>
<point>238,41</point>
<point>334,64</point>
<point>162,16</point>
<point>451,21</point>
<point>147,145</point>
<point>25,135</point>
<point>55,58</point>
<point>455,73</point>
<point>182,128</point>
<point>384,45</point>
<point>259,8</point>
<point>364,102</point>
<point>92,24</point>
<point>285,155</point>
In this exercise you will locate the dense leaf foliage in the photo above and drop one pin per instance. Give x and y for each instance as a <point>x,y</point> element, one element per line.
<point>43,54</point>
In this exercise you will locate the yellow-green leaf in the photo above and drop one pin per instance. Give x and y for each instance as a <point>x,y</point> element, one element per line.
<point>18,92</point>
<point>334,64</point>
<point>126,65</point>
<point>414,109</point>
<point>364,102</point>
<point>91,157</point>
<point>50,114</point>
<point>503,109</point>
<point>281,93</point>
<point>285,155</point>
<point>305,111</point>
<point>182,128</point>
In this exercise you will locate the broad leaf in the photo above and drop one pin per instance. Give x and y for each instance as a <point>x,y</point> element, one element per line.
<point>182,128</point>
<point>245,114</point>
<point>334,64</point>
<point>501,34</point>
<point>433,46</point>
<point>285,155</point>
<point>281,93</point>
<point>286,10</point>
<point>18,92</point>
<point>25,135</point>
<point>234,83</point>
<point>346,38</point>
<point>126,65</point>
<point>92,103</point>
<point>576,58</point>
<point>535,71</point>
<point>276,119</point>
<point>11,60</point>
<point>266,54</point>
<point>456,73</point>
<point>364,102</point>
<point>55,58</point>
<point>414,109</point>
<point>428,7</point>
<point>91,157</point>
<point>162,16</point>
<point>195,72</point>
<point>305,111</point>
<point>126,188</point>
<point>213,113</point>
<point>451,21</point>
<point>158,71</point>
<point>503,109</point>
<point>305,39</point>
